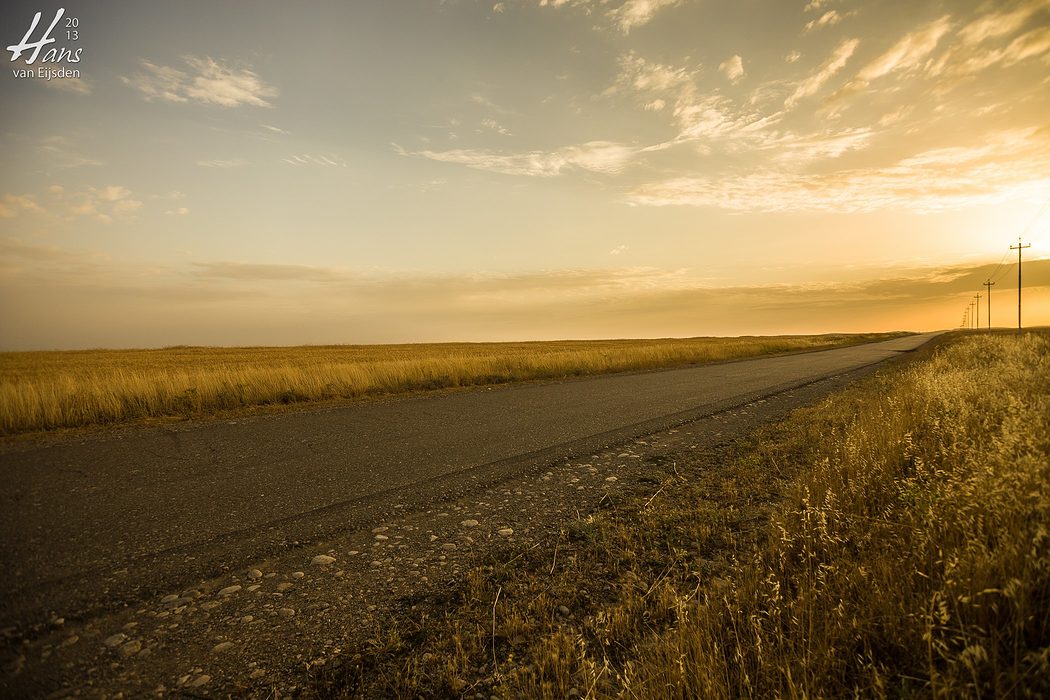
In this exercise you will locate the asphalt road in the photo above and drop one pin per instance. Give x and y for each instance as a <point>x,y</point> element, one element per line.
<point>93,524</point>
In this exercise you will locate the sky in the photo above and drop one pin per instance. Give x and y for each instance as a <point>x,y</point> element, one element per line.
<point>274,173</point>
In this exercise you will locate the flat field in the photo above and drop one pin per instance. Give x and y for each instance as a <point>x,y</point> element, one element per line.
<point>42,391</point>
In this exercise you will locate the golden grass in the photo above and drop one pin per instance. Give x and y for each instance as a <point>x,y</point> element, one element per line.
<point>905,553</point>
<point>47,390</point>
<point>911,557</point>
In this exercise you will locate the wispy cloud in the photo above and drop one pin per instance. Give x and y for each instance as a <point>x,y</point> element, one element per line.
<point>63,153</point>
<point>957,63</point>
<point>908,53</point>
<point>714,122</point>
<point>104,204</point>
<point>222,163</point>
<point>204,80</point>
<point>602,157</point>
<point>1011,165</point>
<point>815,5</point>
<point>635,13</point>
<point>998,24</point>
<point>266,273</point>
<point>825,20</point>
<point>77,86</point>
<point>732,68</point>
<point>493,125</point>
<point>625,15</point>
<point>479,99</point>
<point>14,204</point>
<point>699,115</point>
<point>812,84</point>
<point>329,161</point>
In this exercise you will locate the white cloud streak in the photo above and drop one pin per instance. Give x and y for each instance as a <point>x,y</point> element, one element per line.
<point>635,13</point>
<point>836,62</point>
<point>908,53</point>
<point>602,157</point>
<point>1010,165</point>
<point>206,80</point>
<point>732,68</point>
<point>827,19</point>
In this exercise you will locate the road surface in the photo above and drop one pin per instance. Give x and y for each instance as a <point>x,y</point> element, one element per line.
<point>94,524</point>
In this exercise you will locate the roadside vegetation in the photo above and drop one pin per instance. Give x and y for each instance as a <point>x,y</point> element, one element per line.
<point>47,390</point>
<point>893,541</point>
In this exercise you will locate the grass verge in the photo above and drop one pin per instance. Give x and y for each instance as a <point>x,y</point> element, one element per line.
<point>50,390</point>
<point>893,541</point>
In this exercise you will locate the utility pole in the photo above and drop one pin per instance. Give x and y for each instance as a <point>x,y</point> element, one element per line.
<point>988,296</point>
<point>971,314</point>
<point>977,306</point>
<point>1019,248</point>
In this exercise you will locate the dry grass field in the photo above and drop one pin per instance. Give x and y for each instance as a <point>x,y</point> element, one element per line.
<point>904,551</point>
<point>48,390</point>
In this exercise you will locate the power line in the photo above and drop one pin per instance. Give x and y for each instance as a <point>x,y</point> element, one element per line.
<point>989,284</point>
<point>1019,248</point>
<point>995,276</point>
<point>1000,266</point>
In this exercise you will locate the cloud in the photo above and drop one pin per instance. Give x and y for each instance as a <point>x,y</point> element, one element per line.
<point>206,81</point>
<point>479,99</point>
<point>713,122</point>
<point>792,57</point>
<point>732,68</point>
<point>825,20</point>
<point>63,154</point>
<point>827,70</point>
<point>1029,45</point>
<point>814,5</point>
<point>640,75</point>
<point>14,204</point>
<point>908,52</point>
<point>15,248</point>
<point>602,157</point>
<point>104,204</point>
<point>1009,165</point>
<point>997,24</point>
<point>635,13</point>
<point>625,16</point>
<point>330,161</point>
<point>698,114</point>
<point>619,250</point>
<point>77,86</point>
<point>493,125</point>
<point>274,129</point>
<point>65,298</point>
<point>221,163</point>
<point>265,273</point>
